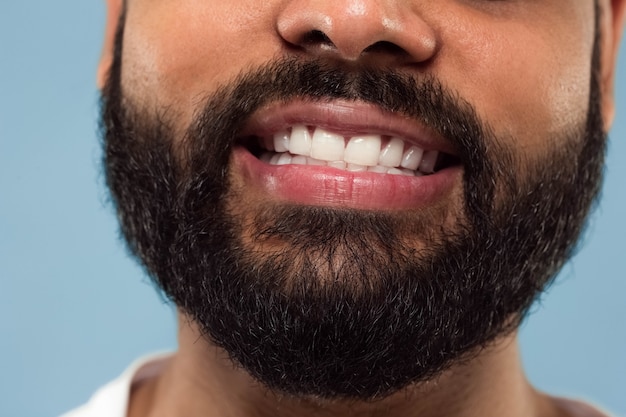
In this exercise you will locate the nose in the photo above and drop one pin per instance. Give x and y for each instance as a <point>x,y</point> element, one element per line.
<point>386,31</point>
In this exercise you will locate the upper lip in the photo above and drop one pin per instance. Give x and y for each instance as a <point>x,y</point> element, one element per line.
<point>346,118</point>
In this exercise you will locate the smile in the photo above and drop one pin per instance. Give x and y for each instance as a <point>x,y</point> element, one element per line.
<point>314,145</point>
<point>345,154</point>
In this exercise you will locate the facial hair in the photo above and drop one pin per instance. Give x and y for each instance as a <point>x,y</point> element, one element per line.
<point>348,308</point>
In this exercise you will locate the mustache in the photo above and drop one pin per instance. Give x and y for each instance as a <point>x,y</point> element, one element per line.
<point>420,97</point>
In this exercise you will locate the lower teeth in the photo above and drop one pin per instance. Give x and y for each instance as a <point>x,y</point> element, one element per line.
<point>285,158</point>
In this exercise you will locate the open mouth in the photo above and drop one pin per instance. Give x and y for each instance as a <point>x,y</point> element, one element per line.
<point>313,145</point>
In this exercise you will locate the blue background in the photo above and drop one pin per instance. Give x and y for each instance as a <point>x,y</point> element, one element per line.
<point>75,310</point>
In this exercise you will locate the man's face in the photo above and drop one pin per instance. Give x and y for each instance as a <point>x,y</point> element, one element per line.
<point>339,277</point>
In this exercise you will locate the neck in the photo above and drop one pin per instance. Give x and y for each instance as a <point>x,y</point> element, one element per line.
<point>201,380</point>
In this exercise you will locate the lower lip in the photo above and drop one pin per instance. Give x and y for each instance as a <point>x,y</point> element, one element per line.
<point>326,186</point>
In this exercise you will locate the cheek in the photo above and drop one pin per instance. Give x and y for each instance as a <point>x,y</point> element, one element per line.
<point>176,52</point>
<point>529,82</point>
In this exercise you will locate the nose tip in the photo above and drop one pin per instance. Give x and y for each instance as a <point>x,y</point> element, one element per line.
<point>355,30</point>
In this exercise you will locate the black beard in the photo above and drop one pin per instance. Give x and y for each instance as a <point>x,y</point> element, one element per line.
<point>349,308</point>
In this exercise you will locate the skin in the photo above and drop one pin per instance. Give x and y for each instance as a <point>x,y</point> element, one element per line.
<point>529,65</point>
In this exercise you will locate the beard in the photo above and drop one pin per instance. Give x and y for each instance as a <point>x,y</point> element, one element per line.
<point>351,304</point>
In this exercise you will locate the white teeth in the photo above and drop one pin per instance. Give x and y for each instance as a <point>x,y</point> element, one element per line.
<point>300,143</point>
<point>394,171</point>
<point>313,161</point>
<point>281,141</point>
<point>284,159</point>
<point>429,160</point>
<point>400,171</point>
<point>379,169</point>
<point>337,164</point>
<point>327,146</point>
<point>361,153</point>
<point>298,160</point>
<point>356,168</point>
<point>391,154</point>
<point>411,158</point>
<point>363,150</point>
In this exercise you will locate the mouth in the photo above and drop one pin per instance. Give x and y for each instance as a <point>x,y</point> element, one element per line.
<point>344,154</point>
<point>301,144</point>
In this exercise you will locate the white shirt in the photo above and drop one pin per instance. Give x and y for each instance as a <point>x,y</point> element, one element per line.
<point>112,399</point>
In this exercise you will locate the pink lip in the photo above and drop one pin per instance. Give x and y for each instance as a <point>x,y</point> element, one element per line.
<point>346,118</point>
<point>326,186</point>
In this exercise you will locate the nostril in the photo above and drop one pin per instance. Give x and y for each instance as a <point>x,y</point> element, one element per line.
<point>385,47</point>
<point>316,37</point>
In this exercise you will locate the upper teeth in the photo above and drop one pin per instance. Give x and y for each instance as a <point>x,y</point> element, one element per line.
<point>357,153</point>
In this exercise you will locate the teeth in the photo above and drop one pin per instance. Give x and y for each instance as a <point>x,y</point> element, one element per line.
<point>363,150</point>
<point>361,153</point>
<point>337,164</point>
<point>299,160</point>
<point>429,160</point>
<point>274,159</point>
<point>300,143</point>
<point>400,171</point>
<point>356,168</point>
<point>327,146</point>
<point>391,154</point>
<point>379,169</point>
<point>281,141</point>
<point>411,158</point>
<point>313,161</point>
<point>284,159</point>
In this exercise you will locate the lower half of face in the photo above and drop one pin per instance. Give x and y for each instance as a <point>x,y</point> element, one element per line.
<point>339,280</point>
